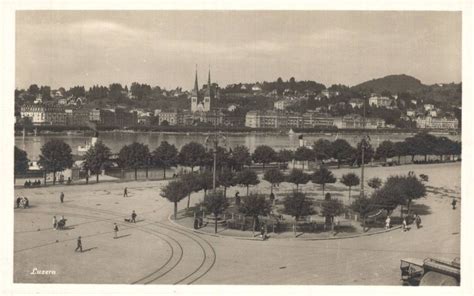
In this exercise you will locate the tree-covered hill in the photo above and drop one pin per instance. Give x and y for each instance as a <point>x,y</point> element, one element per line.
<point>391,83</point>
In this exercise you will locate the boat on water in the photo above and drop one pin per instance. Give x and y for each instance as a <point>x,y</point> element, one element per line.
<point>74,133</point>
<point>81,150</point>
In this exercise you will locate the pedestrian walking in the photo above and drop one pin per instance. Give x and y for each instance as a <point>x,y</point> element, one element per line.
<point>237,198</point>
<point>134,216</point>
<point>272,198</point>
<point>453,203</point>
<point>387,223</point>
<point>115,230</point>
<point>18,201</point>
<point>79,244</point>
<point>61,197</point>
<point>27,202</point>
<point>55,222</point>
<point>404,225</point>
<point>417,221</point>
<point>125,192</point>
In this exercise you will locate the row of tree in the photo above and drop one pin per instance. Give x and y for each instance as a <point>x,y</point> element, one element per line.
<point>396,191</point>
<point>56,155</point>
<point>423,144</point>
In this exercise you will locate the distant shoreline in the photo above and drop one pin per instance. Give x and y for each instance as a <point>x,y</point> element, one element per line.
<point>87,132</point>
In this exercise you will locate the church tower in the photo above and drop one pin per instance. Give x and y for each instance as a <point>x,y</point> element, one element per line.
<point>208,94</point>
<point>195,94</point>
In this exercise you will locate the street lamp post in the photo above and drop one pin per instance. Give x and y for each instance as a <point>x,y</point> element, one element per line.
<point>363,143</point>
<point>214,140</point>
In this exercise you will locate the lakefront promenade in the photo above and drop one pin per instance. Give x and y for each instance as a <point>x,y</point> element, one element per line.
<point>155,250</point>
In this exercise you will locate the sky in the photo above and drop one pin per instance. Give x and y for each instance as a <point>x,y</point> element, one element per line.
<point>68,48</point>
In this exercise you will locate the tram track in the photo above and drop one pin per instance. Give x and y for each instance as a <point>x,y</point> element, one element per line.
<point>208,251</point>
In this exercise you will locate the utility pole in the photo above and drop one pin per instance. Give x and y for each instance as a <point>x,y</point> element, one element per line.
<point>214,140</point>
<point>362,193</point>
<point>215,164</point>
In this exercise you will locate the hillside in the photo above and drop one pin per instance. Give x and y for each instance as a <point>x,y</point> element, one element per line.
<point>391,83</point>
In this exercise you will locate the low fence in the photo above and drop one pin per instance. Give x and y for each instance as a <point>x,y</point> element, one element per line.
<point>276,224</point>
<point>142,174</point>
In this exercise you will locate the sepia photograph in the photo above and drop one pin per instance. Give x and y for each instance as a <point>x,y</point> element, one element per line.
<point>237,147</point>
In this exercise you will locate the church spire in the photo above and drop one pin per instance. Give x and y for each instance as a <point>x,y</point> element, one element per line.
<point>209,77</point>
<point>196,85</point>
<point>209,88</point>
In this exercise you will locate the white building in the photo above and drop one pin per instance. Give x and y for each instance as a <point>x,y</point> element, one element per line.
<point>428,107</point>
<point>354,121</point>
<point>41,114</point>
<point>281,104</point>
<point>172,117</point>
<point>355,102</point>
<point>251,119</point>
<point>411,113</point>
<point>433,113</point>
<point>437,123</point>
<point>328,93</point>
<point>379,101</point>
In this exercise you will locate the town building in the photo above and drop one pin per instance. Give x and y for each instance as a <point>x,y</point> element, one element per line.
<point>171,117</point>
<point>273,119</point>
<point>316,119</point>
<point>428,107</point>
<point>433,113</point>
<point>437,122</point>
<point>355,121</point>
<point>355,102</point>
<point>118,117</point>
<point>329,93</point>
<point>411,113</point>
<point>281,104</point>
<point>77,117</point>
<point>379,101</point>
<point>256,88</point>
<point>44,114</point>
<point>252,119</point>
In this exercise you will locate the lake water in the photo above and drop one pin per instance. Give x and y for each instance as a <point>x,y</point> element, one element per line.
<point>116,140</point>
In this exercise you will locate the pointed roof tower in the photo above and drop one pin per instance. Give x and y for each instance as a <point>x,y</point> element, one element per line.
<point>209,86</point>
<point>195,91</point>
<point>209,76</point>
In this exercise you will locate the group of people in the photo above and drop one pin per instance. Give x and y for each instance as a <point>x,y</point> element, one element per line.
<point>22,202</point>
<point>132,219</point>
<point>35,183</point>
<point>59,224</point>
<point>416,219</point>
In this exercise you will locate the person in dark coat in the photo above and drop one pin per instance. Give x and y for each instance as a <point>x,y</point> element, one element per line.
<point>453,203</point>
<point>417,221</point>
<point>272,197</point>
<point>134,216</point>
<point>18,201</point>
<point>115,230</point>
<point>55,223</point>
<point>61,197</point>
<point>125,192</point>
<point>79,245</point>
